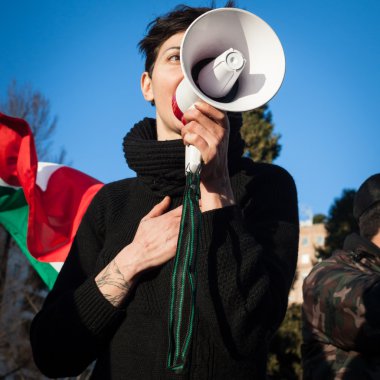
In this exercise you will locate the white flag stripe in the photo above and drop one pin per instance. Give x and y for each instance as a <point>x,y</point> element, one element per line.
<point>57,266</point>
<point>4,184</point>
<point>44,171</point>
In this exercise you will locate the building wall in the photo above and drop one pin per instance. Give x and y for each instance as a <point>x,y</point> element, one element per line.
<point>311,237</point>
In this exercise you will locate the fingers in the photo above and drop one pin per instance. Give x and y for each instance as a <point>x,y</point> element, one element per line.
<point>211,112</point>
<point>207,124</point>
<point>176,212</point>
<point>206,129</point>
<point>210,118</point>
<point>199,142</point>
<point>156,239</point>
<point>158,209</point>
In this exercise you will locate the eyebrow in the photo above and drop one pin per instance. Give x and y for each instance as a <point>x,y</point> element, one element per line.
<point>172,48</point>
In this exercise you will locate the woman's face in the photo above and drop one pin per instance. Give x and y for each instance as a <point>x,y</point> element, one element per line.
<point>166,76</point>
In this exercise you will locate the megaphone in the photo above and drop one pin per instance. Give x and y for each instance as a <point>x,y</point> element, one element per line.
<point>232,60</point>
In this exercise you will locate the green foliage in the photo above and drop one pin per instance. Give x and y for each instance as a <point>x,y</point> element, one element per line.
<point>340,223</point>
<point>319,218</point>
<point>284,361</point>
<point>257,131</point>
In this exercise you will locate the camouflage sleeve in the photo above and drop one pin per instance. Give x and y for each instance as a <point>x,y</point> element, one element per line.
<point>341,305</point>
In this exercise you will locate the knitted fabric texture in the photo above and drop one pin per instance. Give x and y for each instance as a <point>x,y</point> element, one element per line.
<point>245,267</point>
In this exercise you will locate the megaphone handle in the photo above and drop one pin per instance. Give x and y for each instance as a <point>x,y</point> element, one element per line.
<point>192,159</point>
<point>193,156</point>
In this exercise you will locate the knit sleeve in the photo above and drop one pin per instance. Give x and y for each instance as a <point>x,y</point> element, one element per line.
<point>247,263</point>
<point>76,321</point>
<point>341,306</point>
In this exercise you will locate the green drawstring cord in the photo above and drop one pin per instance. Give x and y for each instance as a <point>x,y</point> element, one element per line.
<point>183,285</point>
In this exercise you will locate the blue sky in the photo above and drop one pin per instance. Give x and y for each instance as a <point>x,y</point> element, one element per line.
<point>82,56</point>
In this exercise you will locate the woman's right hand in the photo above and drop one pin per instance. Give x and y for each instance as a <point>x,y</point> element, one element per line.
<point>155,243</point>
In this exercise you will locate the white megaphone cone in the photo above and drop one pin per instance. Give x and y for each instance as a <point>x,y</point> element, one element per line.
<point>232,60</point>
<point>216,79</point>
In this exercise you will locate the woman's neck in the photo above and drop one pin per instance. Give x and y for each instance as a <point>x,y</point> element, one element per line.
<point>164,133</point>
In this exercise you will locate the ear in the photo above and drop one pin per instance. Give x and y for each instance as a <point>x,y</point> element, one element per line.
<point>147,86</point>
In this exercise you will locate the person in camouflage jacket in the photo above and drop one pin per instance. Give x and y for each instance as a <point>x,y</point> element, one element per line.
<point>341,309</point>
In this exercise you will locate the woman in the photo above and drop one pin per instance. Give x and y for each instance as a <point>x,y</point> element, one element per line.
<point>111,300</point>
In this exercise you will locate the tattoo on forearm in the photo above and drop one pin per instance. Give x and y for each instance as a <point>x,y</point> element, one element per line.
<point>109,279</point>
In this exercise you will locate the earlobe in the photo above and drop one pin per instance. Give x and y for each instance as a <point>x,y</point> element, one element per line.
<point>146,87</point>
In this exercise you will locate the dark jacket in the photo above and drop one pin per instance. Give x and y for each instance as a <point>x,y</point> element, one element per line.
<point>245,266</point>
<point>341,314</point>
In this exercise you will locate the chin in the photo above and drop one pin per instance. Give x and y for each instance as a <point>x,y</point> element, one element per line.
<point>177,126</point>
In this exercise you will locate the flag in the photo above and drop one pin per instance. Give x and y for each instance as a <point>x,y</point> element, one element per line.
<point>41,204</point>
<point>14,218</point>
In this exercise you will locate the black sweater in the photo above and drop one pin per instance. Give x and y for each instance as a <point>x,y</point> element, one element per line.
<point>245,264</point>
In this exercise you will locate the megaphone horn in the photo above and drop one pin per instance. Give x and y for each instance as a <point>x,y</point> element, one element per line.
<point>232,60</point>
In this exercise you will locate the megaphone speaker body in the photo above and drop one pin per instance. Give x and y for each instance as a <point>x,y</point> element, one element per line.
<point>207,42</point>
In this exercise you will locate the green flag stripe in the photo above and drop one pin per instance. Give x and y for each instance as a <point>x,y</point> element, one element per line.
<point>14,217</point>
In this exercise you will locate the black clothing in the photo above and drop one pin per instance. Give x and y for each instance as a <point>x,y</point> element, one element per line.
<point>367,195</point>
<point>360,247</point>
<point>245,265</point>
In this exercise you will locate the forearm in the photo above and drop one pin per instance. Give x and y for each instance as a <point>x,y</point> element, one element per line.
<point>116,279</point>
<point>216,194</point>
<point>146,251</point>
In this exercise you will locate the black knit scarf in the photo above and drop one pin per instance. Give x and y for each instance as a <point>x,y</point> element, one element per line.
<point>159,164</point>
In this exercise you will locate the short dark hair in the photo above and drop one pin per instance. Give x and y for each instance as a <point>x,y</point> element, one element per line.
<point>369,222</point>
<point>163,27</point>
